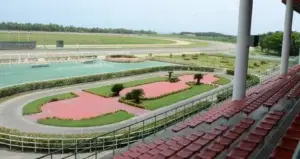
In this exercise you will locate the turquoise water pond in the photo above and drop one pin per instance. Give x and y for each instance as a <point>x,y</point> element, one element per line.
<point>23,73</point>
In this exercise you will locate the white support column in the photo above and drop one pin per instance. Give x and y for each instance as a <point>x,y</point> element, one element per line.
<point>286,44</point>
<point>242,51</point>
<point>299,57</point>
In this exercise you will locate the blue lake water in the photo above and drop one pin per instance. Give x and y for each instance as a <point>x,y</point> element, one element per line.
<point>23,73</point>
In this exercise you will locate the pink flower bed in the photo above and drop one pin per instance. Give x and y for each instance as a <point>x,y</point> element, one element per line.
<point>161,88</point>
<point>86,105</point>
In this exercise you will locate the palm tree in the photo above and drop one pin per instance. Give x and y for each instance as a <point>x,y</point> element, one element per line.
<point>198,76</point>
<point>136,94</point>
<point>170,74</point>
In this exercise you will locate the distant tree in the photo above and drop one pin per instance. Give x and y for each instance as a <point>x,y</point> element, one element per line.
<point>271,43</point>
<point>137,94</point>
<point>198,76</point>
<point>116,89</point>
<point>59,28</point>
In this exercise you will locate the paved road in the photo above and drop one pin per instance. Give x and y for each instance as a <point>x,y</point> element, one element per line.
<point>10,111</point>
<point>212,47</point>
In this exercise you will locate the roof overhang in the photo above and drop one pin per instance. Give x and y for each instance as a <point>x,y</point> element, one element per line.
<point>296,5</point>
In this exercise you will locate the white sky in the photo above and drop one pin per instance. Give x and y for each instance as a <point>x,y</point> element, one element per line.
<point>159,15</point>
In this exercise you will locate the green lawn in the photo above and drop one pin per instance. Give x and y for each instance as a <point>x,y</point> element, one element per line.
<point>35,106</point>
<point>106,90</point>
<point>254,66</point>
<point>223,81</point>
<point>174,98</point>
<point>96,121</point>
<point>88,39</point>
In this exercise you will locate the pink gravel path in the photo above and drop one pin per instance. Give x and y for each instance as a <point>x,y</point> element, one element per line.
<point>86,105</point>
<point>160,88</point>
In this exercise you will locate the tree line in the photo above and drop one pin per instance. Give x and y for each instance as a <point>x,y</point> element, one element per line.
<point>271,43</point>
<point>60,28</point>
<point>211,36</point>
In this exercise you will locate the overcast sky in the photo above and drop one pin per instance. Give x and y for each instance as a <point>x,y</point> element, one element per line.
<point>159,15</point>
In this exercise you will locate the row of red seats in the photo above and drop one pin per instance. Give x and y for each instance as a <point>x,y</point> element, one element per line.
<point>295,92</point>
<point>288,143</point>
<point>198,145</point>
<point>265,84</point>
<point>283,91</point>
<point>224,142</point>
<point>271,95</point>
<point>246,146</point>
<point>181,147</point>
<point>226,110</point>
<point>248,105</point>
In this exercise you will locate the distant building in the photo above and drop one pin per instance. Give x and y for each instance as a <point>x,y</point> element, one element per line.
<point>192,35</point>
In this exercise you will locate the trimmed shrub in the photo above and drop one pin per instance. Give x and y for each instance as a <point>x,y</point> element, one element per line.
<point>230,72</point>
<point>116,89</point>
<point>255,64</point>
<point>263,62</point>
<point>224,61</point>
<point>122,56</point>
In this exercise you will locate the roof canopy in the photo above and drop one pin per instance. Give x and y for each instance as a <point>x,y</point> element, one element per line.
<point>296,5</point>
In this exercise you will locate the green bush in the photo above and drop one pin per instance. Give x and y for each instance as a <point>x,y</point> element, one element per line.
<point>12,90</point>
<point>186,59</point>
<point>224,61</point>
<point>251,81</point>
<point>116,89</point>
<point>230,72</point>
<point>255,64</point>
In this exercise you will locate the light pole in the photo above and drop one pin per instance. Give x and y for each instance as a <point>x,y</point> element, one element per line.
<point>8,36</point>
<point>18,35</point>
<point>28,34</point>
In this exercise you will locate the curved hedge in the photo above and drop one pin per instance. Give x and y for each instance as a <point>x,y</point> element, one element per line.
<point>12,90</point>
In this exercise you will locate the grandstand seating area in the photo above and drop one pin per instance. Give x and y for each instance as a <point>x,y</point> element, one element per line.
<point>230,130</point>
